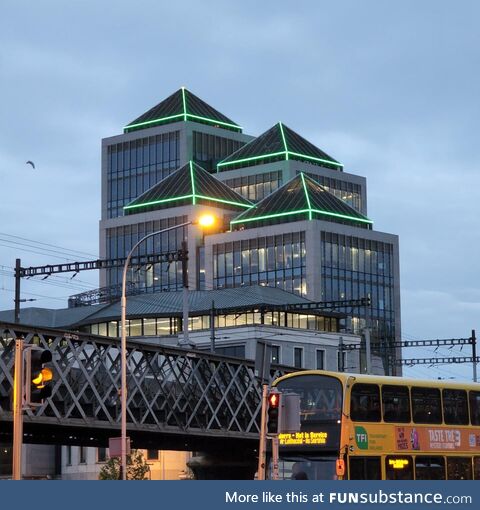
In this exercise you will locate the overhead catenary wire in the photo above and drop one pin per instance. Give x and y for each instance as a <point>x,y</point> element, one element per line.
<point>61,248</point>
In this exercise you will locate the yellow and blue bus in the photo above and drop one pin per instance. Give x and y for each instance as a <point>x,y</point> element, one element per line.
<point>362,427</point>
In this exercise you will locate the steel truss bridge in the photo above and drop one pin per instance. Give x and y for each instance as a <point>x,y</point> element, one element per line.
<point>177,398</point>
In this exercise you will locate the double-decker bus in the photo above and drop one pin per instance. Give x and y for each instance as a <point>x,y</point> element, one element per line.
<point>362,427</point>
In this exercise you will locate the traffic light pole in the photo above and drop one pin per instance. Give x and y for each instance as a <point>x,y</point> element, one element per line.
<point>262,449</point>
<point>275,456</point>
<point>18,411</point>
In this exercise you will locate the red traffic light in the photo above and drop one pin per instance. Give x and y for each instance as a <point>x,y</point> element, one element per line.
<point>273,400</point>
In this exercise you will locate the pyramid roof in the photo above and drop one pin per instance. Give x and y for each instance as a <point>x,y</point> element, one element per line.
<point>189,185</point>
<point>300,198</point>
<point>277,144</point>
<point>182,105</point>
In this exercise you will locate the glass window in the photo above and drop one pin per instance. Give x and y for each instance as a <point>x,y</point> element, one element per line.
<point>455,407</point>
<point>459,468</point>
<point>275,354</point>
<point>297,357</point>
<point>69,455</point>
<point>82,454</point>
<point>365,402</point>
<point>235,351</point>
<point>365,468</point>
<point>320,399</point>
<point>303,468</point>
<point>426,405</point>
<point>152,454</point>
<point>396,404</point>
<point>429,468</point>
<point>149,328</point>
<point>135,327</point>
<point>320,354</point>
<point>101,454</point>
<point>399,468</point>
<point>474,407</point>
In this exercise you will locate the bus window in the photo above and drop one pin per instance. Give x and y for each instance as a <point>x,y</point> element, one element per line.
<point>365,468</point>
<point>303,468</point>
<point>396,404</point>
<point>459,468</point>
<point>399,468</point>
<point>429,468</point>
<point>426,405</point>
<point>365,402</point>
<point>475,407</point>
<point>476,468</point>
<point>455,407</point>
<point>320,399</point>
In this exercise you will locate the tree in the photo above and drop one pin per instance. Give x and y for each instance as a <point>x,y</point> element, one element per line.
<point>137,467</point>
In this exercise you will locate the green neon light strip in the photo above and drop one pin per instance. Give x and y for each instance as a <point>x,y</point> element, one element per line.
<point>184,105</point>
<point>307,196</point>
<point>221,200</point>
<point>281,153</point>
<point>315,159</point>
<point>183,197</point>
<point>277,215</point>
<point>185,117</point>
<point>157,202</point>
<point>284,141</point>
<point>213,121</point>
<point>192,178</point>
<point>154,202</point>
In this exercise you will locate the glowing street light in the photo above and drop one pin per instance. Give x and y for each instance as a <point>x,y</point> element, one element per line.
<point>205,221</point>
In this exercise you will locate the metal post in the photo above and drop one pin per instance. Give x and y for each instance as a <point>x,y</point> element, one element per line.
<point>368,351</point>
<point>212,327</point>
<point>474,355</point>
<point>275,456</point>
<point>262,448</point>
<point>341,368</point>
<point>185,292</point>
<point>18,410</point>
<point>17,291</point>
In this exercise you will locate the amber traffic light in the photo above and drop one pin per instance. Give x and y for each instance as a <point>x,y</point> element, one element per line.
<point>38,377</point>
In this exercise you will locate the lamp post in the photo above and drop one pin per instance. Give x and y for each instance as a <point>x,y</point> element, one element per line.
<point>206,220</point>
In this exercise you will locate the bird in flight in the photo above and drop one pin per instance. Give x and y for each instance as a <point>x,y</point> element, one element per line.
<point>30,163</point>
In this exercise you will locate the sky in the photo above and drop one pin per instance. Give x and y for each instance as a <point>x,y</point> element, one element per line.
<point>390,89</point>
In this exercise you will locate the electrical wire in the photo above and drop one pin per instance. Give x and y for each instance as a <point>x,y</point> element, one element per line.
<point>81,253</point>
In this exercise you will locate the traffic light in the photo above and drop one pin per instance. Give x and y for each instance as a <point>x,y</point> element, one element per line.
<point>274,411</point>
<point>38,377</point>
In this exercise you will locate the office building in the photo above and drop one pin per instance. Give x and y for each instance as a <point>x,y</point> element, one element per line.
<point>289,216</point>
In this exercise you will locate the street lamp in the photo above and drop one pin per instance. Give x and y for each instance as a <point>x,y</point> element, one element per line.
<point>206,220</point>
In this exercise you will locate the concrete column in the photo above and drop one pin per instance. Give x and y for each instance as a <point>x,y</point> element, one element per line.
<point>313,262</point>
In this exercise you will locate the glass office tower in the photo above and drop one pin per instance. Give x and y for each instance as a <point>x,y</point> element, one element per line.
<point>289,215</point>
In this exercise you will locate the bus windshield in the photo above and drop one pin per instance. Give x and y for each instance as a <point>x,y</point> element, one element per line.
<point>298,467</point>
<point>320,399</point>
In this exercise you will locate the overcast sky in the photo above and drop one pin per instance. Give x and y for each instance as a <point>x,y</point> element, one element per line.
<point>390,89</point>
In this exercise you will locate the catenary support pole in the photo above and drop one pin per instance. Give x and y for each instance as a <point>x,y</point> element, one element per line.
<point>17,291</point>
<point>185,319</point>
<point>212,327</point>
<point>474,355</point>
<point>368,351</point>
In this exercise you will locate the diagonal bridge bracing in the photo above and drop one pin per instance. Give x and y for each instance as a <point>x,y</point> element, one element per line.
<point>176,397</point>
